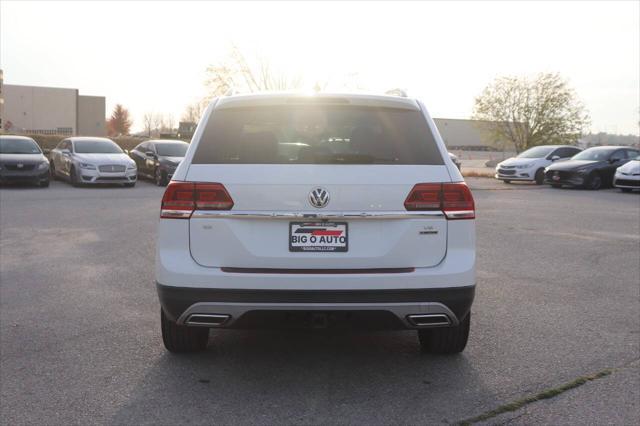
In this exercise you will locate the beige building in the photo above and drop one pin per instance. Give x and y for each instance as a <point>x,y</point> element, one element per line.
<point>51,110</point>
<point>466,134</point>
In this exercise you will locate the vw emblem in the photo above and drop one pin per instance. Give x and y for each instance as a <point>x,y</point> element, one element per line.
<point>20,165</point>
<point>319,198</point>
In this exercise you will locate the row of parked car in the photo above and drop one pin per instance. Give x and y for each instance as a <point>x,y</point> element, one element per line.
<point>565,165</point>
<point>87,161</point>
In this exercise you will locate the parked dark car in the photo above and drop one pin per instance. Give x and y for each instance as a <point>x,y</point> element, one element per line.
<point>593,168</point>
<point>158,159</point>
<point>22,160</point>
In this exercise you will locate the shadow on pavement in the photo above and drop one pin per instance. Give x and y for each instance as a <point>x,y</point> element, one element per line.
<point>275,377</point>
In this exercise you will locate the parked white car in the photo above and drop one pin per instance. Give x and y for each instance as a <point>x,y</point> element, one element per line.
<point>89,160</point>
<point>530,164</point>
<point>627,176</point>
<point>316,211</point>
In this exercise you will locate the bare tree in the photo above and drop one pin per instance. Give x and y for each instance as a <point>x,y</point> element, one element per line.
<point>194,111</point>
<point>157,120</point>
<point>236,72</point>
<point>147,120</point>
<point>544,110</point>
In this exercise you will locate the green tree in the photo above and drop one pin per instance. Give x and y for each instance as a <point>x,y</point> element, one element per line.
<point>529,112</point>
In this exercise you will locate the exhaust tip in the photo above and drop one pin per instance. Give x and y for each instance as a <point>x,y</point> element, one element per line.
<point>429,320</point>
<point>207,320</point>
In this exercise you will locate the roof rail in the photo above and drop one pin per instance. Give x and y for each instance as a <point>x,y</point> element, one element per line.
<point>396,92</point>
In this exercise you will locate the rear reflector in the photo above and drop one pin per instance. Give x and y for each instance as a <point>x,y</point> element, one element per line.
<point>453,199</point>
<point>182,198</point>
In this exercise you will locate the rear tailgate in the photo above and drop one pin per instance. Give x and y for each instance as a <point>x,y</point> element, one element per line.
<point>255,233</point>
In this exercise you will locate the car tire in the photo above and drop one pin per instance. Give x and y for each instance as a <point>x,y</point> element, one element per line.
<point>73,178</point>
<point>539,177</point>
<point>159,177</point>
<point>594,182</point>
<point>506,181</point>
<point>129,185</point>
<point>180,338</point>
<point>44,183</point>
<point>625,189</point>
<point>445,340</point>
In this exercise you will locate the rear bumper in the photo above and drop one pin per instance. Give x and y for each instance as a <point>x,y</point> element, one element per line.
<point>238,306</point>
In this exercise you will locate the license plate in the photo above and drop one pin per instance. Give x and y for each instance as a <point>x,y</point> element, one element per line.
<point>318,236</point>
<point>556,177</point>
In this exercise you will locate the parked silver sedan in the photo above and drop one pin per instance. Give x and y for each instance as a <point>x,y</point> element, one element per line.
<point>89,160</point>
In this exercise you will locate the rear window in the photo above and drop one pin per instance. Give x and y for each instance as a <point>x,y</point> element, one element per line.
<point>317,134</point>
<point>172,149</point>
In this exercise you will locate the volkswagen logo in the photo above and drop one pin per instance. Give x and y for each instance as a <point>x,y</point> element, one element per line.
<point>319,198</point>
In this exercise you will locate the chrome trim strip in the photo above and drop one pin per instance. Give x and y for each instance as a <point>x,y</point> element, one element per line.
<point>415,320</point>
<point>249,214</point>
<point>461,214</point>
<point>175,214</point>
<point>222,319</point>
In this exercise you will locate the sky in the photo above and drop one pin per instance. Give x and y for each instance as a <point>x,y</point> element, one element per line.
<point>152,56</point>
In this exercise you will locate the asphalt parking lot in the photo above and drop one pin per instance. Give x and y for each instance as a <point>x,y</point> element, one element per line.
<point>558,300</point>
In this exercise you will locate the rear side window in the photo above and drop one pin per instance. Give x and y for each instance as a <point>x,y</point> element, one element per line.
<point>317,134</point>
<point>566,152</point>
<point>632,154</point>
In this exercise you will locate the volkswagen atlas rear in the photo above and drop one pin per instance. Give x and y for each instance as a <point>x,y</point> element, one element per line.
<point>316,212</point>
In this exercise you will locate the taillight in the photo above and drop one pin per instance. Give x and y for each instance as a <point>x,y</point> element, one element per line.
<point>457,201</point>
<point>454,199</point>
<point>182,198</point>
<point>425,196</point>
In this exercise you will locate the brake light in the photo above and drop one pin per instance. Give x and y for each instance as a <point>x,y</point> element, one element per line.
<point>453,199</point>
<point>457,201</point>
<point>424,196</point>
<point>182,198</point>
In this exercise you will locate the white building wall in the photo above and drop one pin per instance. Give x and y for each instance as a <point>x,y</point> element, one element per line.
<point>464,133</point>
<point>32,109</point>
<point>91,116</point>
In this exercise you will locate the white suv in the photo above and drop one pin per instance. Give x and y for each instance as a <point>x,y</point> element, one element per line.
<point>316,211</point>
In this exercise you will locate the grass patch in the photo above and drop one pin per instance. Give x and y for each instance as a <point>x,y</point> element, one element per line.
<point>546,394</point>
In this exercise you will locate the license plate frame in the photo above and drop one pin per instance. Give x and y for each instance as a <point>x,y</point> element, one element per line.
<point>322,228</point>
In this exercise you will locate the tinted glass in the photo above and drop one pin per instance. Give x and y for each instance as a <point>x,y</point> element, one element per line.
<point>318,134</point>
<point>536,152</point>
<point>619,155</point>
<point>18,146</point>
<point>565,152</point>
<point>172,149</point>
<point>632,154</point>
<point>594,154</point>
<point>96,147</point>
